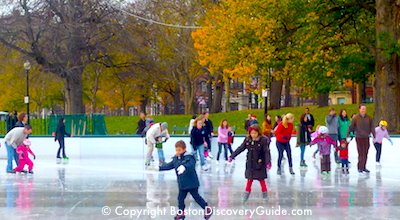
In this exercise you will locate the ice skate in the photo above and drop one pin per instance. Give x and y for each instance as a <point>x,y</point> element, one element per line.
<point>291,170</point>
<point>65,160</point>
<point>58,160</point>
<point>179,217</point>
<point>265,195</point>
<point>279,171</point>
<point>208,212</point>
<point>246,196</point>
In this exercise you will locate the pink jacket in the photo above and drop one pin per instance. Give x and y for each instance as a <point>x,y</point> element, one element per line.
<point>324,144</point>
<point>380,134</point>
<point>23,151</point>
<point>223,135</point>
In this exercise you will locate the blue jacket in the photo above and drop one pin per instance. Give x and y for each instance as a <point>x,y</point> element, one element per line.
<point>188,179</point>
<point>197,137</point>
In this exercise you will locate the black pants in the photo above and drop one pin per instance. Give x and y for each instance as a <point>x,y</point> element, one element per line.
<point>284,147</point>
<point>62,147</point>
<point>195,194</point>
<point>378,148</point>
<point>220,145</point>
<point>208,141</point>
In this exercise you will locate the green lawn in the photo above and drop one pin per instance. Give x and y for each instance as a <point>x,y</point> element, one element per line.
<point>128,125</point>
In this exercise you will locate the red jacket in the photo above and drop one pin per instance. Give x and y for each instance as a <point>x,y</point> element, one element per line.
<point>283,134</point>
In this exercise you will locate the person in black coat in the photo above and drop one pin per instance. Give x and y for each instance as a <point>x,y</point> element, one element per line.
<point>11,120</point>
<point>198,139</point>
<point>310,119</point>
<point>303,138</point>
<point>258,159</point>
<point>184,165</point>
<point>141,123</point>
<point>59,136</point>
<point>210,132</point>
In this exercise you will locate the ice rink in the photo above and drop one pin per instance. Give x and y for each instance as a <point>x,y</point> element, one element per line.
<point>114,186</point>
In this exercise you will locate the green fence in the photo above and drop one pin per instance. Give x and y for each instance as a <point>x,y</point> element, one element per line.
<point>77,125</point>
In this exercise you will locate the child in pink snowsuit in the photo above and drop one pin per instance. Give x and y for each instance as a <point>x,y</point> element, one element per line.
<point>23,151</point>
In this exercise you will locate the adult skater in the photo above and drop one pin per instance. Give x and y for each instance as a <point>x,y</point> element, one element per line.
<point>198,139</point>
<point>141,123</point>
<point>11,120</point>
<point>12,140</point>
<point>363,126</point>
<point>155,131</point>
<point>258,160</point>
<point>59,136</point>
<point>344,124</point>
<point>332,123</point>
<point>267,126</point>
<point>310,119</point>
<point>283,135</point>
<point>210,133</point>
<point>303,138</point>
<point>22,120</point>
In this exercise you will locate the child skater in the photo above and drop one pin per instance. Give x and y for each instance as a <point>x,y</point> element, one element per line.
<point>380,133</point>
<point>258,159</point>
<point>324,146</point>
<point>184,165</point>
<point>344,156</point>
<point>23,150</point>
<point>160,151</point>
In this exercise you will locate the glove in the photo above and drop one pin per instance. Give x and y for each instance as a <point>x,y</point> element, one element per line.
<point>390,140</point>
<point>268,165</point>
<point>230,159</point>
<point>181,169</point>
<point>34,157</point>
<point>165,140</point>
<point>205,144</point>
<point>348,139</point>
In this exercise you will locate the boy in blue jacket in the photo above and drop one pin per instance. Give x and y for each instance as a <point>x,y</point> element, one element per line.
<point>184,165</point>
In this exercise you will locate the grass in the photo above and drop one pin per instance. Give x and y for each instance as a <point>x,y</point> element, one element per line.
<point>128,125</point>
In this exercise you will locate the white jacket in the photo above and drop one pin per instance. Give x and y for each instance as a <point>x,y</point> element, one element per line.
<point>155,132</point>
<point>15,137</point>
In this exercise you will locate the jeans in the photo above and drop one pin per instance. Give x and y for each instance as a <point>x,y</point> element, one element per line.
<point>62,147</point>
<point>284,147</point>
<point>220,150</point>
<point>150,148</point>
<point>200,151</point>
<point>195,194</point>
<point>335,137</point>
<point>378,148</point>
<point>161,157</point>
<point>345,163</point>
<point>11,155</point>
<point>302,151</point>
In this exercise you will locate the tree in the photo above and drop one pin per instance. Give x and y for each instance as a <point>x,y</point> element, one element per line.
<point>63,37</point>
<point>387,88</point>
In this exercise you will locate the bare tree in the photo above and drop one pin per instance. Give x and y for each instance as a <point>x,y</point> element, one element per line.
<point>62,36</point>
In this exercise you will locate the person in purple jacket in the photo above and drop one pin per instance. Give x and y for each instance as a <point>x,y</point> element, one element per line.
<point>380,133</point>
<point>324,146</point>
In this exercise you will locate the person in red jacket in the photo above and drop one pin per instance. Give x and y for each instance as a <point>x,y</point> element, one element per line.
<point>283,134</point>
<point>344,156</point>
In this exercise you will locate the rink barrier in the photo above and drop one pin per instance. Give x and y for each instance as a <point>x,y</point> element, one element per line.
<point>132,146</point>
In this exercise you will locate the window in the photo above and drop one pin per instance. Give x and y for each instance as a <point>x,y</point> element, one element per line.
<point>341,101</point>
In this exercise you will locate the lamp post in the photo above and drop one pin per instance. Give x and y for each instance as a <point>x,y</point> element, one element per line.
<point>27,67</point>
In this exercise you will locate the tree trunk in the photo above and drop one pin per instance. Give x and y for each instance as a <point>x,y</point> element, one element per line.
<point>210,93</point>
<point>323,100</point>
<point>288,98</point>
<point>276,91</point>
<point>387,83</point>
<point>228,96</point>
<point>73,94</point>
<point>189,97</point>
<point>218,92</point>
<point>359,91</point>
<point>143,104</point>
<point>177,99</point>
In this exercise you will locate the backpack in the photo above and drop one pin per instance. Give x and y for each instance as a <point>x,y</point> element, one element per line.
<point>149,123</point>
<point>231,137</point>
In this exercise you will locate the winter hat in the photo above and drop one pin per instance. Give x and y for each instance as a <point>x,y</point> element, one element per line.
<point>323,130</point>
<point>383,123</point>
<point>164,125</point>
<point>27,142</point>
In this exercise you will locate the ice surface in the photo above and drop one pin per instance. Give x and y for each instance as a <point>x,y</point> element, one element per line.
<point>81,189</point>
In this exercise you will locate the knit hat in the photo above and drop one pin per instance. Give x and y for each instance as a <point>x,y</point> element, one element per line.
<point>27,142</point>
<point>164,125</point>
<point>323,130</point>
<point>383,123</point>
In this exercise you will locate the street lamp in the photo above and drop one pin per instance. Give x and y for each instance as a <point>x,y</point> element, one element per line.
<point>27,67</point>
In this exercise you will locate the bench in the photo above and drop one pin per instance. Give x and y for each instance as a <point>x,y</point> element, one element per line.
<point>180,129</point>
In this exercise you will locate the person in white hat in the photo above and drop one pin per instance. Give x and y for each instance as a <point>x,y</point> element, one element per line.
<point>324,142</point>
<point>155,131</point>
